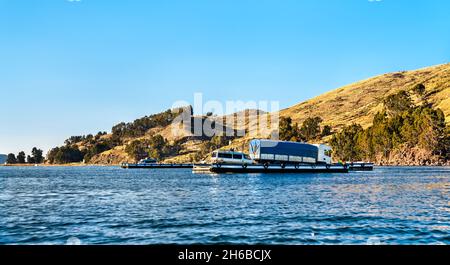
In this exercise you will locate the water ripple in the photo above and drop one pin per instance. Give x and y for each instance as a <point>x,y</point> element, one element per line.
<point>108,205</point>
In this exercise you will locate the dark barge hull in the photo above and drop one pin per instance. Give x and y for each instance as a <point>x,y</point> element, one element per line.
<point>270,169</point>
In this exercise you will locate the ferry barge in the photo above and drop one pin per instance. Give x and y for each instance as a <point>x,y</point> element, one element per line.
<point>267,156</point>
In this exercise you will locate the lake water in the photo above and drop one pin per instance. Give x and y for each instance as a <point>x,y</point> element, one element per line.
<point>110,205</point>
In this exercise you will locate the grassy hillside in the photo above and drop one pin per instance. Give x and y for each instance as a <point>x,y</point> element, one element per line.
<point>360,101</point>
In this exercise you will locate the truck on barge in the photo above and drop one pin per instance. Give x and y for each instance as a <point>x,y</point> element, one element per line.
<point>283,153</point>
<point>270,156</point>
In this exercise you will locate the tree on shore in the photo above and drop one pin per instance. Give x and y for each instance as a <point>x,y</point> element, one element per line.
<point>11,159</point>
<point>30,160</point>
<point>419,89</point>
<point>215,143</point>
<point>65,154</point>
<point>21,157</point>
<point>309,131</point>
<point>401,125</point>
<point>345,143</point>
<point>37,155</point>
<point>96,148</point>
<point>137,149</point>
<point>140,126</point>
<point>289,132</point>
<point>327,130</point>
<point>397,103</point>
<point>155,147</point>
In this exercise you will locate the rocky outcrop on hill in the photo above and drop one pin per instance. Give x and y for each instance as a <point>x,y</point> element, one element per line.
<point>412,157</point>
<point>114,156</point>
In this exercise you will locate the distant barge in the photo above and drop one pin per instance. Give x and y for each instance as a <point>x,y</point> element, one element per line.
<point>155,165</point>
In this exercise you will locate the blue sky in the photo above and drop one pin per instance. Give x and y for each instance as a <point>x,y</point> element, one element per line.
<point>78,67</point>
